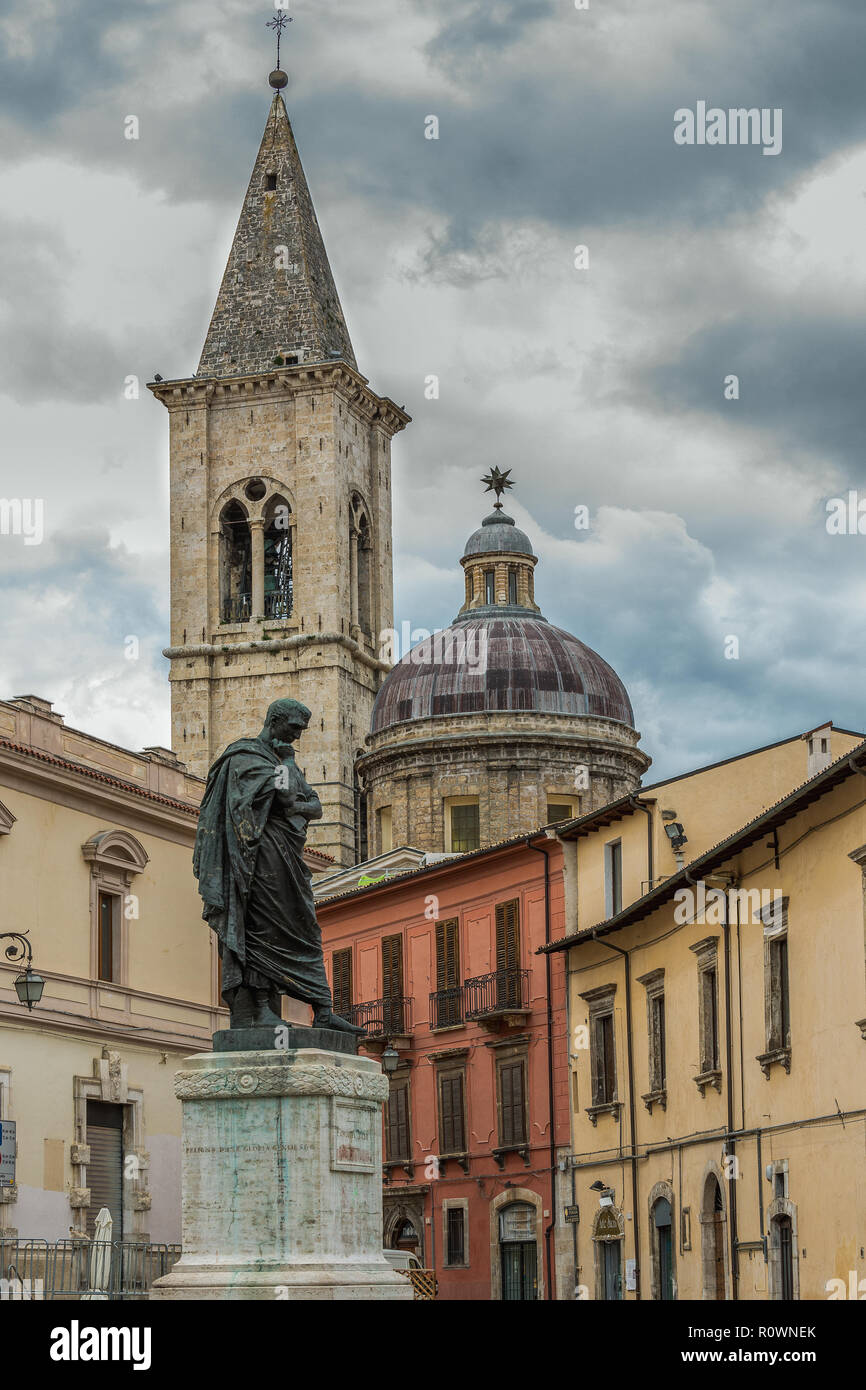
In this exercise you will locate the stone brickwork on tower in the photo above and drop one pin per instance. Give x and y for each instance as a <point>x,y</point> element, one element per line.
<point>278,297</point>
<point>295,459</point>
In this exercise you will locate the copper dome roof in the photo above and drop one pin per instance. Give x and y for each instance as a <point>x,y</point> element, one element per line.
<point>530,665</point>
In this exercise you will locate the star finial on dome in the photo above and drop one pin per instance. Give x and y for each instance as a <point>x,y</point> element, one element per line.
<point>497,481</point>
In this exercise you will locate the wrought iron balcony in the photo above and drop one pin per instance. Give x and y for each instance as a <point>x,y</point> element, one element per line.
<point>446,1007</point>
<point>502,992</point>
<point>383,1018</point>
<point>237,608</point>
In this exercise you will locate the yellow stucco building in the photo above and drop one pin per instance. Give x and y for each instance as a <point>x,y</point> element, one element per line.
<point>716,983</point>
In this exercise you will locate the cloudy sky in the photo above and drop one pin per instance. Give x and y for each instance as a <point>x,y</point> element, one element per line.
<point>600,387</point>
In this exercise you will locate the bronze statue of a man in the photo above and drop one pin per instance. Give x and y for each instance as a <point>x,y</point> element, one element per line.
<point>252,878</point>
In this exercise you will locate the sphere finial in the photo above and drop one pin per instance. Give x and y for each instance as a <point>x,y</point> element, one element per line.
<point>278,78</point>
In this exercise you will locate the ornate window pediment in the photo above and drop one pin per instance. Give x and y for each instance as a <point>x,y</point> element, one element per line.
<point>116,851</point>
<point>7,820</point>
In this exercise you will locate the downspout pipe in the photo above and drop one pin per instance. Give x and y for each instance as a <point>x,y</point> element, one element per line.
<point>729,1139</point>
<point>639,805</point>
<point>542,849</point>
<point>631,1106</point>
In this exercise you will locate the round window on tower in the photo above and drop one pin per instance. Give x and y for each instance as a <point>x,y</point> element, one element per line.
<point>255,490</point>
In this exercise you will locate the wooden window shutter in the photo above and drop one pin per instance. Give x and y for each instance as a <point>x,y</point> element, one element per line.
<point>392,967</point>
<point>512,1103</point>
<point>341,969</point>
<point>508,935</point>
<point>452,1138</point>
<point>397,1122</point>
<point>447,954</point>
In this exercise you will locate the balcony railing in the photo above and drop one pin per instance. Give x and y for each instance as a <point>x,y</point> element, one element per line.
<point>446,1007</point>
<point>483,996</point>
<point>278,604</point>
<point>383,1018</point>
<point>497,993</point>
<point>237,609</point>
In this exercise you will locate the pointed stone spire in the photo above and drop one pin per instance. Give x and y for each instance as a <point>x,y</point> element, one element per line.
<point>278,298</point>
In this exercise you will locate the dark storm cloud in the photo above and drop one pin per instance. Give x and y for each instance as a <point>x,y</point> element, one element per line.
<point>555,126</point>
<point>801,377</point>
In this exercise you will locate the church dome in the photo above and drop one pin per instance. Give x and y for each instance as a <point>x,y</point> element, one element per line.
<point>493,664</point>
<point>498,532</point>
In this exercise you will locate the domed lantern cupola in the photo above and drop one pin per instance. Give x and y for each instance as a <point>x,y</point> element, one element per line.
<point>498,561</point>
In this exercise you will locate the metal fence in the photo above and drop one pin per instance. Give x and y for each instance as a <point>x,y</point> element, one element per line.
<point>383,1018</point>
<point>38,1270</point>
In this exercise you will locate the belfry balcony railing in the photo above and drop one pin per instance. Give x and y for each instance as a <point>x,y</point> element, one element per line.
<point>237,608</point>
<point>278,604</point>
<point>501,992</point>
<point>383,1018</point>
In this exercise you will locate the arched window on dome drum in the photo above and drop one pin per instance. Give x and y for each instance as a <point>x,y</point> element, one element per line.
<point>278,585</point>
<point>235,564</point>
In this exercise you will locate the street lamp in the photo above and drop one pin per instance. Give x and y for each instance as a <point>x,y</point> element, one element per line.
<point>28,986</point>
<point>390,1059</point>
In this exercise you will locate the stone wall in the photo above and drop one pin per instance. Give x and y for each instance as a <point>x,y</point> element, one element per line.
<point>515,763</point>
<point>315,437</point>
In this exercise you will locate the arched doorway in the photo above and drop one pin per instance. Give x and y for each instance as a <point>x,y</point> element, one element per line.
<point>405,1237</point>
<point>607,1237</point>
<point>663,1249</point>
<point>518,1252</point>
<point>783,1240</point>
<point>713,1240</point>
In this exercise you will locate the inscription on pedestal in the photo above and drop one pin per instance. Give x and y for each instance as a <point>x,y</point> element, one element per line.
<point>353,1145</point>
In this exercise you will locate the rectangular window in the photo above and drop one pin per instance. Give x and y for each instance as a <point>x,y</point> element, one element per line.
<point>383,821</point>
<point>512,1103</point>
<point>613,878</point>
<point>392,983</point>
<point>558,811</point>
<point>512,586</point>
<point>710,992</point>
<point>605,1060</point>
<point>452,1120</point>
<point>779,993</point>
<point>341,972</point>
<point>465,828</point>
<point>447,1004</point>
<point>107,928</point>
<point>397,1149</point>
<point>455,1229</point>
<point>659,1079</point>
<point>654,984</point>
<point>489,586</point>
<point>508,981</point>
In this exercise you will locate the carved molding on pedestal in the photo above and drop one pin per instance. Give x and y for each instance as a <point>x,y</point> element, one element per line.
<point>280,1081</point>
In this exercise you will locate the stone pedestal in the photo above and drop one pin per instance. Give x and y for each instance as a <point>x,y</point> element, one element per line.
<point>282,1178</point>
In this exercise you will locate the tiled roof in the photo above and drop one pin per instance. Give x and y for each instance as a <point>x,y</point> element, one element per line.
<point>95,776</point>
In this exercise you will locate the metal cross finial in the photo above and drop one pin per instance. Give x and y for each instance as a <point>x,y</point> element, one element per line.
<point>497,481</point>
<point>278,24</point>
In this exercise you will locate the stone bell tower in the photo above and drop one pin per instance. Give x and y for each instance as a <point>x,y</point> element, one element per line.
<point>280,472</point>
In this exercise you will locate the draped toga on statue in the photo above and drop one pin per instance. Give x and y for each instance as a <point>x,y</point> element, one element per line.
<point>256,888</point>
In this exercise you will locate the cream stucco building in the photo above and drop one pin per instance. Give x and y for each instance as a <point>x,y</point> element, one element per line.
<point>716,1031</point>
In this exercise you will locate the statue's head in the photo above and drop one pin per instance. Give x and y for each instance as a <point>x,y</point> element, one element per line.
<point>285,721</point>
